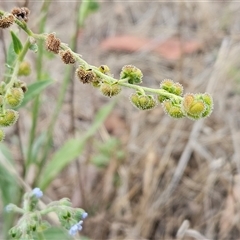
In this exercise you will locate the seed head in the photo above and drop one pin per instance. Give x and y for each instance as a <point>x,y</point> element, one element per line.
<point>6,21</point>
<point>21,13</point>
<point>53,43</point>
<point>85,75</point>
<point>67,57</point>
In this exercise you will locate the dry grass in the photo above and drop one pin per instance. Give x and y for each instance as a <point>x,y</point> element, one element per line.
<point>179,179</point>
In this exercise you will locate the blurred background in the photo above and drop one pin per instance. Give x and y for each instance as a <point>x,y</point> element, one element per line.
<point>142,174</point>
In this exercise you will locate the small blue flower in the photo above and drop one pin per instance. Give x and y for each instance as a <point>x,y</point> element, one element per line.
<point>84,215</point>
<point>79,227</point>
<point>75,228</point>
<point>9,207</point>
<point>37,192</point>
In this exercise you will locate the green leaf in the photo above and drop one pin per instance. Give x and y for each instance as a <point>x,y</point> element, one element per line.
<point>33,90</point>
<point>72,148</point>
<point>55,233</point>
<point>17,45</point>
<point>11,55</point>
<point>7,178</point>
<point>37,146</point>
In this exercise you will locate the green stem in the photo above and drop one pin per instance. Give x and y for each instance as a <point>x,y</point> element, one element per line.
<point>16,67</point>
<point>36,104</point>
<point>60,100</point>
<point>59,104</point>
<point>18,210</point>
<point>109,78</point>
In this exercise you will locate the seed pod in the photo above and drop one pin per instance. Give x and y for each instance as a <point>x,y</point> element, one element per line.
<point>21,84</point>
<point>192,106</point>
<point>172,87</point>
<point>143,102</point>
<point>24,69</point>
<point>110,90</point>
<point>172,110</point>
<point>10,118</point>
<point>14,97</point>
<point>104,69</point>
<point>208,102</point>
<point>133,74</point>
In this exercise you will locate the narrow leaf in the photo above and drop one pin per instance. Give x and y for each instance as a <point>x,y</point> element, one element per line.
<point>72,148</point>
<point>34,89</point>
<point>11,55</point>
<point>17,45</point>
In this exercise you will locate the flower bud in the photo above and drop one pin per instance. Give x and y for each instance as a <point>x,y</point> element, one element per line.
<point>110,90</point>
<point>10,207</point>
<point>64,214</point>
<point>52,43</point>
<point>10,117</point>
<point>6,21</point>
<point>85,75</point>
<point>14,97</point>
<point>37,193</point>
<point>32,226</point>
<point>15,232</point>
<point>67,57</point>
<point>172,87</point>
<point>24,69</point>
<point>172,110</point>
<point>133,74</point>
